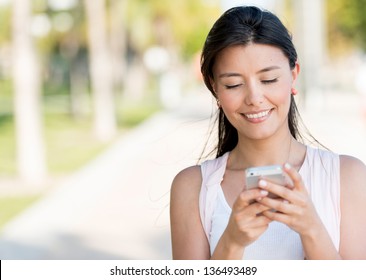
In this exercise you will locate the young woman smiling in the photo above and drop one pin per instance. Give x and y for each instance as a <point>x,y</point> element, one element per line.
<point>249,64</point>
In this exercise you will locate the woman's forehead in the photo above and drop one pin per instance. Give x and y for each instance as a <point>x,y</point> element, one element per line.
<point>254,57</point>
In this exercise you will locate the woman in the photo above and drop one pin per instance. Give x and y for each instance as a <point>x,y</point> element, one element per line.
<point>250,66</point>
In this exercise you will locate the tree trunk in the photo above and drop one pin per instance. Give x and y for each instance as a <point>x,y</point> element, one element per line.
<point>31,159</point>
<point>118,42</point>
<point>105,124</point>
<point>79,98</point>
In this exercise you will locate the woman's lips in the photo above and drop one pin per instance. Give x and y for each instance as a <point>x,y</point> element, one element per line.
<point>257,117</point>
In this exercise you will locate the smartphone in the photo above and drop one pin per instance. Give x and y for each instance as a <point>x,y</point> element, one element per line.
<point>272,173</point>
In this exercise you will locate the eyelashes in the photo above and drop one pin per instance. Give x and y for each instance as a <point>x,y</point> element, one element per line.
<point>270,81</point>
<point>266,82</point>
<point>232,86</point>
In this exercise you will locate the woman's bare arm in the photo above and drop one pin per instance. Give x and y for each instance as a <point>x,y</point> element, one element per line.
<point>353,208</point>
<point>188,237</point>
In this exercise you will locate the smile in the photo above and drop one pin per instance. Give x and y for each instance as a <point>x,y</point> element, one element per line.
<point>257,115</point>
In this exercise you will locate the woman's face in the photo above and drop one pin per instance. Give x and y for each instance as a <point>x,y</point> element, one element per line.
<point>253,84</point>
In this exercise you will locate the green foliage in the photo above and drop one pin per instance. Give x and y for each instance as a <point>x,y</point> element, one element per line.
<point>5,22</point>
<point>182,23</point>
<point>70,143</point>
<point>7,145</point>
<point>191,23</point>
<point>6,96</point>
<point>347,22</point>
<point>11,206</point>
<point>130,115</point>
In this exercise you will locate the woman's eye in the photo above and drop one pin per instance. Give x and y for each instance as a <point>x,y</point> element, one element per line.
<point>269,81</point>
<point>232,86</point>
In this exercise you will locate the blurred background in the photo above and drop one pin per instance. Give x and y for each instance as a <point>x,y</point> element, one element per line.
<point>102,103</point>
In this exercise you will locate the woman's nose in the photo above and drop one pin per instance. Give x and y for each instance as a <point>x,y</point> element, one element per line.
<point>253,95</point>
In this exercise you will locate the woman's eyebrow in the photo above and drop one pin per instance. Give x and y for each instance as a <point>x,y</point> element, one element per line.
<point>233,74</point>
<point>229,74</point>
<point>270,68</point>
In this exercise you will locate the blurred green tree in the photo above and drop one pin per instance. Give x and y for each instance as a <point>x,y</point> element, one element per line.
<point>180,23</point>
<point>5,20</point>
<point>64,56</point>
<point>346,24</point>
<point>177,27</point>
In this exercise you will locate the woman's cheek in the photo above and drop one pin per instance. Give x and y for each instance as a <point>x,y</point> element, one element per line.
<point>230,101</point>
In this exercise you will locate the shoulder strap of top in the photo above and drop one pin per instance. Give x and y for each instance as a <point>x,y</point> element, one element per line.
<point>212,174</point>
<point>321,176</point>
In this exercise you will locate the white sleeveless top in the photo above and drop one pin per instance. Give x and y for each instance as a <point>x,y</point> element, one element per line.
<point>321,175</point>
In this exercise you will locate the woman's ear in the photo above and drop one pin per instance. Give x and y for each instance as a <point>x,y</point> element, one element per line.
<point>212,82</point>
<point>295,73</point>
<point>213,85</point>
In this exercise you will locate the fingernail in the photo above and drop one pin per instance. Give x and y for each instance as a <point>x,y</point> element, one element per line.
<point>287,166</point>
<point>285,201</point>
<point>262,183</point>
<point>263,192</point>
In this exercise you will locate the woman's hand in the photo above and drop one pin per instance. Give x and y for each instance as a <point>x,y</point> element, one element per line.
<point>296,210</point>
<point>294,207</point>
<point>245,225</point>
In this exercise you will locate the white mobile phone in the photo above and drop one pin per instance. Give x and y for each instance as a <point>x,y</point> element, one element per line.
<point>272,173</point>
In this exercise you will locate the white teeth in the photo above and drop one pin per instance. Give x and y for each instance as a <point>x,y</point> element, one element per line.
<point>256,116</point>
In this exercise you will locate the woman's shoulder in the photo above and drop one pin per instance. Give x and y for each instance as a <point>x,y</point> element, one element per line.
<point>352,179</point>
<point>187,181</point>
<point>188,175</point>
<point>352,169</point>
<point>353,161</point>
<point>191,178</point>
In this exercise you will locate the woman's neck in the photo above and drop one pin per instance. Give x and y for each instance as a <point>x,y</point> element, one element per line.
<point>276,150</point>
